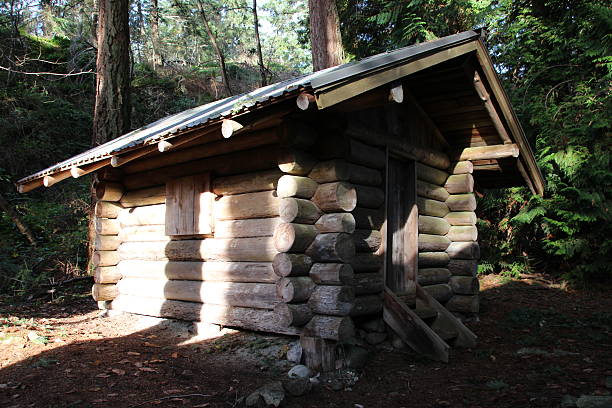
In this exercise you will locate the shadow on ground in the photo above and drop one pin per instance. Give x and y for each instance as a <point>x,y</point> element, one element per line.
<point>537,343</point>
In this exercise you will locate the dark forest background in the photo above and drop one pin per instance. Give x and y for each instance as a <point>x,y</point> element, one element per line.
<point>554,58</point>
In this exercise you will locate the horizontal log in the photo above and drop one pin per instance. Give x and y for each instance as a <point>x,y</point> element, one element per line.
<point>260,249</point>
<point>433,191</point>
<point>369,197</point>
<point>430,174</point>
<point>149,215</point>
<point>368,283</point>
<point>367,240</point>
<point>246,318</point>
<point>366,262</point>
<point>463,267</point>
<point>247,183</point>
<point>106,243</point>
<point>108,191</point>
<point>367,155</point>
<point>145,196</point>
<point>104,292</point>
<point>332,247</point>
<point>259,295</point>
<point>241,162</point>
<point>293,314</point>
<point>432,208</point>
<point>332,274</point>
<point>331,327</point>
<point>461,218</point>
<point>107,173</point>
<point>201,151</point>
<point>144,233</point>
<point>441,292</point>
<point>341,170</point>
<point>463,250</point>
<point>255,227</point>
<point>294,289</point>
<point>298,133</point>
<point>459,184</point>
<point>433,225</point>
<point>335,197</point>
<point>249,205</point>
<point>367,305</point>
<point>332,300</point>
<point>336,222</point>
<point>433,243</point>
<point>462,167</point>
<point>107,274</point>
<point>461,202</point>
<point>433,259</point>
<point>107,226</point>
<point>501,151</point>
<point>432,276</point>
<point>105,258</point>
<point>291,264</point>
<point>299,210</point>
<point>462,233</point>
<point>296,162</point>
<point>294,238</point>
<point>366,218</point>
<point>254,272</point>
<point>296,186</point>
<point>107,209</point>
<point>465,285</point>
<point>463,304</point>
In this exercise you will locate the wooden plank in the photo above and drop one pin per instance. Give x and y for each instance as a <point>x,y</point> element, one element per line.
<point>446,320</point>
<point>412,330</point>
<point>189,203</point>
<point>402,225</point>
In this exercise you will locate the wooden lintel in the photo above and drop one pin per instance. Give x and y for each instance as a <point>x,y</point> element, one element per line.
<point>50,180</point>
<point>500,151</point>
<point>305,100</point>
<point>229,127</point>
<point>77,172</point>
<point>412,330</point>
<point>117,160</point>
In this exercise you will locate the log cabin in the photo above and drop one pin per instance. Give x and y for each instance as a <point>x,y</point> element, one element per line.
<point>315,206</point>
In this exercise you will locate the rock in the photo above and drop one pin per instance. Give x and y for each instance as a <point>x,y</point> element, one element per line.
<point>357,357</point>
<point>568,401</point>
<point>297,386</point>
<point>398,343</point>
<point>300,371</point>
<point>374,325</point>
<point>375,338</point>
<point>269,395</point>
<point>594,401</point>
<point>294,354</point>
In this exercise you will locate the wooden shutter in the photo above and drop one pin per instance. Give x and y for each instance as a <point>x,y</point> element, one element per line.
<point>189,206</point>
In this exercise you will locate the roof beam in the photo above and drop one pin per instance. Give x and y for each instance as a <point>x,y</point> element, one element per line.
<point>336,94</point>
<point>500,151</point>
<point>77,172</point>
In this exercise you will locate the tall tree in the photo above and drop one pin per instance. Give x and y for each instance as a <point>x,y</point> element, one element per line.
<point>325,39</point>
<point>112,109</point>
<point>262,68</point>
<point>154,15</point>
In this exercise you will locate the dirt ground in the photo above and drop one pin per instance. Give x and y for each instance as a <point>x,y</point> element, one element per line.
<point>537,343</point>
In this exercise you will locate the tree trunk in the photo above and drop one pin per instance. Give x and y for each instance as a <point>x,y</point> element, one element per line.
<point>325,38</point>
<point>112,109</point>
<point>215,44</point>
<point>154,14</point>
<point>8,209</point>
<point>262,68</point>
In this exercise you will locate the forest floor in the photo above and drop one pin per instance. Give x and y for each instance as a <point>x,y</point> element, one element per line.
<point>537,343</point>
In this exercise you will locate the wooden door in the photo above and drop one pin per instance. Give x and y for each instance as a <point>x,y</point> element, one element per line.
<point>402,228</point>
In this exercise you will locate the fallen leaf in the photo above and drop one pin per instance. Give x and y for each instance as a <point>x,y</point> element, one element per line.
<point>174,355</point>
<point>147,369</point>
<point>102,375</point>
<point>148,344</point>
<point>118,371</point>
<point>133,353</point>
